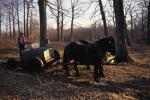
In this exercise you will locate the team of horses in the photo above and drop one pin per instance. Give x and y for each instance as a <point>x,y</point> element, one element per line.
<point>88,54</point>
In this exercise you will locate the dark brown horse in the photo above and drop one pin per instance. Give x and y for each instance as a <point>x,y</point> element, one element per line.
<point>92,54</point>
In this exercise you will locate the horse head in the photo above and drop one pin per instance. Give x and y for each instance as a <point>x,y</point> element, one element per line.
<point>107,45</point>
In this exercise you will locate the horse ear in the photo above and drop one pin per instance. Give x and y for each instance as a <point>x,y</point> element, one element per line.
<point>111,37</point>
<point>110,42</point>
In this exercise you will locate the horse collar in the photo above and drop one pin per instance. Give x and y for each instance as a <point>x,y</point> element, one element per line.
<point>99,49</point>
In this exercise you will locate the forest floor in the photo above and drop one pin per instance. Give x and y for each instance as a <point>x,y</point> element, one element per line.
<point>121,82</point>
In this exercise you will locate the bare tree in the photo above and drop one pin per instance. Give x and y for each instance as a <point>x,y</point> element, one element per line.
<point>103,18</point>
<point>148,24</point>
<point>18,16</point>
<point>7,7</point>
<point>13,18</point>
<point>31,22</point>
<point>0,17</point>
<point>62,22</point>
<point>27,20</point>
<point>6,31</point>
<point>9,14</point>
<point>43,23</point>
<point>56,12</point>
<point>24,17</point>
<point>128,8</point>
<point>58,19</point>
<point>142,11</point>
<point>74,4</point>
<point>121,49</point>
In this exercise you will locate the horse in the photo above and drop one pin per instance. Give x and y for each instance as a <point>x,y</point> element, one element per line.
<point>86,42</point>
<point>92,54</point>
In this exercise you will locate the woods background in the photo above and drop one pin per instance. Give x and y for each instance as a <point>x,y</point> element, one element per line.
<point>22,16</point>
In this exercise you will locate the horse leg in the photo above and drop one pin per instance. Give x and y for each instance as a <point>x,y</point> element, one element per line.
<point>88,67</point>
<point>65,66</point>
<point>100,71</point>
<point>76,69</point>
<point>96,73</point>
<point>20,51</point>
<point>66,60</point>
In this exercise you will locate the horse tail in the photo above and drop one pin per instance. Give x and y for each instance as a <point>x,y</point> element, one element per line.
<point>66,58</point>
<point>57,55</point>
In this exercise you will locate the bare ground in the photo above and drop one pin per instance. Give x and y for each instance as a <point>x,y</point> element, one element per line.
<point>121,82</point>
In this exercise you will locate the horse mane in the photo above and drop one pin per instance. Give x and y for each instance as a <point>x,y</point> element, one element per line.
<point>100,41</point>
<point>85,42</point>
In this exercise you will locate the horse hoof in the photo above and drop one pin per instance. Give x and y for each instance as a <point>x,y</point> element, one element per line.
<point>88,69</point>
<point>77,75</point>
<point>67,74</point>
<point>11,64</point>
<point>102,75</point>
<point>96,80</point>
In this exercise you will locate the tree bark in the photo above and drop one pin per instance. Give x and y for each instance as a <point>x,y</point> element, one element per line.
<point>25,18</point>
<point>10,25</point>
<point>62,23</point>
<point>121,49</point>
<point>0,18</point>
<point>126,33</point>
<point>143,32</point>
<point>103,18</point>
<point>6,31</point>
<point>72,21</point>
<point>131,24</point>
<point>13,21</point>
<point>148,24</point>
<point>31,20</point>
<point>18,17</point>
<point>27,28</point>
<point>58,19</point>
<point>43,23</point>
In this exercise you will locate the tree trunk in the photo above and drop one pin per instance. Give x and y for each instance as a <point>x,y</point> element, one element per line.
<point>58,27</point>
<point>0,18</point>
<point>6,31</point>
<point>27,28</point>
<point>13,21</point>
<point>72,21</point>
<point>103,18</point>
<point>43,23</point>
<point>126,34</point>
<point>18,17</point>
<point>25,18</point>
<point>10,25</point>
<point>31,26</point>
<point>121,49</point>
<point>62,23</point>
<point>58,19</point>
<point>143,24</point>
<point>131,24</point>
<point>148,24</point>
